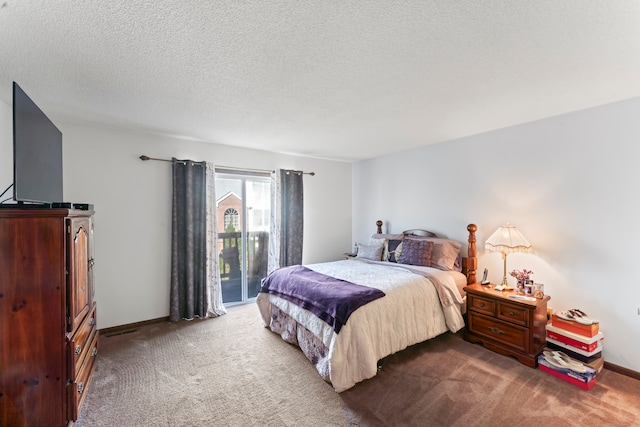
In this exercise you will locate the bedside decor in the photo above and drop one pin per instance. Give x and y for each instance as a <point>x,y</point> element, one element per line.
<point>523,277</point>
<point>538,290</point>
<point>507,239</point>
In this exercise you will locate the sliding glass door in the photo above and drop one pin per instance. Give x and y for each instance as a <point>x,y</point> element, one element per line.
<point>244,211</point>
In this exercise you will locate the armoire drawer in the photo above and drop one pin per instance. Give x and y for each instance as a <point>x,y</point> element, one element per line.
<point>77,390</point>
<point>78,345</point>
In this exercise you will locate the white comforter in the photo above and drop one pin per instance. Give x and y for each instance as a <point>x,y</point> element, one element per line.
<point>410,312</point>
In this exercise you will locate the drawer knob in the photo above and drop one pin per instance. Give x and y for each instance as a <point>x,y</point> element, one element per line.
<point>94,353</point>
<point>496,330</point>
<point>80,387</point>
<point>78,349</point>
<point>511,313</point>
<point>481,304</point>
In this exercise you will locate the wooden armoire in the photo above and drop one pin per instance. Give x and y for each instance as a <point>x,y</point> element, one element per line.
<point>48,330</point>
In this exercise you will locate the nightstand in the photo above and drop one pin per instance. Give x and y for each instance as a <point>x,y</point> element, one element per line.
<point>509,326</point>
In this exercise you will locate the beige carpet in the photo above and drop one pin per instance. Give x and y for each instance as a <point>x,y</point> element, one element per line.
<point>230,371</point>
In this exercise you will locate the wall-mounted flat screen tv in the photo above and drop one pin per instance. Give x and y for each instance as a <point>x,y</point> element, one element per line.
<point>37,153</point>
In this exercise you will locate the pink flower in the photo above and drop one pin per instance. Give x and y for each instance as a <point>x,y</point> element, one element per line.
<point>521,275</point>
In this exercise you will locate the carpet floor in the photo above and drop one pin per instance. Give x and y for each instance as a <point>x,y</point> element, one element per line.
<point>231,371</point>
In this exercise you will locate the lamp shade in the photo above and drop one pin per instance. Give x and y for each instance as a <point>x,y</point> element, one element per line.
<point>507,239</point>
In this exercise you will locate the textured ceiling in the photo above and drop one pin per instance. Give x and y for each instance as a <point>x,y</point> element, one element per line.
<point>334,79</point>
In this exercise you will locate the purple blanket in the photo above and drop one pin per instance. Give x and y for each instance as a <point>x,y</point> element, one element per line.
<point>332,300</point>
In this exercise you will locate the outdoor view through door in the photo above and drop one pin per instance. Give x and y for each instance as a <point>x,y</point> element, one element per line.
<point>243,209</point>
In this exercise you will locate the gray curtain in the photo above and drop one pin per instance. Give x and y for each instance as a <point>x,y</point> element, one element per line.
<point>188,241</point>
<point>291,223</point>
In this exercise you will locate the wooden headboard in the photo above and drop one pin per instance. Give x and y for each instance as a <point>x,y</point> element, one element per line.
<point>469,263</point>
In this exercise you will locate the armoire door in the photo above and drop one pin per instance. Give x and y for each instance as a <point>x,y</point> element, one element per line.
<point>79,277</point>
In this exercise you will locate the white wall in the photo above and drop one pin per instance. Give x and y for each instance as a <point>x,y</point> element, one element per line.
<point>132,201</point>
<point>569,183</point>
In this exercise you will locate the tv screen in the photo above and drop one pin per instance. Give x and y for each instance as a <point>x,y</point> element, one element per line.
<point>37,153</point>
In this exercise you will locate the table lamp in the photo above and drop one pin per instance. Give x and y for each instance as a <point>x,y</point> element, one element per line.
<point>507,239</point>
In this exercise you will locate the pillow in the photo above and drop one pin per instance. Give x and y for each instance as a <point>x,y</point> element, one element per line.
<point>457,266</point>
<point>388,238</point>
<point>445,254</point>
<point>394,249</point>
<point>371,252</point>
<point>416,252</point>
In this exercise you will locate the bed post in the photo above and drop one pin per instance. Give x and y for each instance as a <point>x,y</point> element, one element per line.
<point>472,260</point>
<point>379,224</point>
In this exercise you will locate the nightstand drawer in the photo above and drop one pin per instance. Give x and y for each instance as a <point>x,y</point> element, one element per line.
<point>77,390</point>
<point>499,331</point>
<point>482,305</point>
<point>513,314</point>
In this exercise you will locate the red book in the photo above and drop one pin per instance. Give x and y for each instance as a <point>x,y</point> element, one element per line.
<point>574,340</point>
<point>577,354</point>
<point>575,327</point>
<point>567,378</point>
<point>584,377</point>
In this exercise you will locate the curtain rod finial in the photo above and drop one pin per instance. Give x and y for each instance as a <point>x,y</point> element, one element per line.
<point>312,173</point>
<point>143,157</point>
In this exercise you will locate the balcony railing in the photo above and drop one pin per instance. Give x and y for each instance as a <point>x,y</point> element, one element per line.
<point>231,261</point>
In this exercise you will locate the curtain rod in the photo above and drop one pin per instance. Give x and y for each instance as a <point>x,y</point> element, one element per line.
<point>145,158</point>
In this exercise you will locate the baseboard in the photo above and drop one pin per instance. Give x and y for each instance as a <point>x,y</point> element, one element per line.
<point>130,327</point>
<point>621,370</point>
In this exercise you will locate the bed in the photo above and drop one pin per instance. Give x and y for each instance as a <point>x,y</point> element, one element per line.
<point>400,290</point>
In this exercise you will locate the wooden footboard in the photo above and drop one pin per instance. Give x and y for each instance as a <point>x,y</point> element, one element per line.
<point>470,262</point>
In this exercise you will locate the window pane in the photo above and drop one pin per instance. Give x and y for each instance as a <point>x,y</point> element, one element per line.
<point>258,214</point>
<point>228,208</point>
<point>243,258</point>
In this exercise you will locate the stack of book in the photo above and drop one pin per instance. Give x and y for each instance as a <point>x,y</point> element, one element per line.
<point>579,341</point>
<point>585,379</point>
